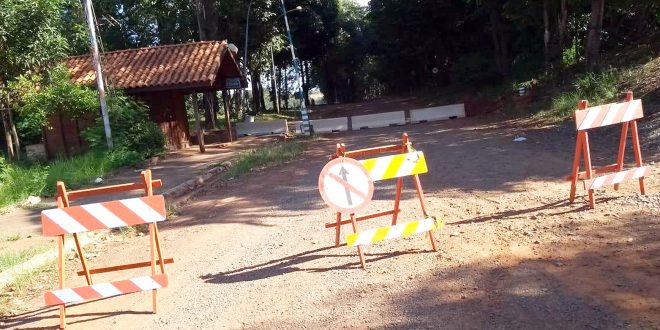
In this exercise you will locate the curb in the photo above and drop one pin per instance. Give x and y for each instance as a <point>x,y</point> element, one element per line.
<point>184,191</point>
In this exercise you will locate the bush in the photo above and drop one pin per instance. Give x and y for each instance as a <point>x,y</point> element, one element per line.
<point>39,98</point>
<point>132,131</point>
<point>597,88</point>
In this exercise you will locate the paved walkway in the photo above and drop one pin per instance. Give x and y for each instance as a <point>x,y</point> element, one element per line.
<point>173,168</point>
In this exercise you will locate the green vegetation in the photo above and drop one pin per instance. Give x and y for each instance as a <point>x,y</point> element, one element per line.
<point>18,182</point>
<point>132,131</point>
<point>12,238</point>
<point>597,88</point>
<point>9,259</point>
<point>41,97</point>
<point>135,138</point>
<point>271,155</point>
<point>288,115</point>
<point>22,282</point>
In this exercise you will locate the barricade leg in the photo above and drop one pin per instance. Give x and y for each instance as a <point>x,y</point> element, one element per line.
<point>60,273</point>
<point>152,243</point>
<point>338,230</point>
<point>576,166</point>
<point>420,194</point>
<point>588,167</point>
<point>622,150</point>
<point>359,248</point>
<point>83,261</point>
<point>638,153</point>
<point>397,198</point>
<point>161,261</point>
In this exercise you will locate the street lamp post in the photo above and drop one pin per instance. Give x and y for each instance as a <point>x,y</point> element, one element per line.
<point>247,30</point>
<point>296,64</point>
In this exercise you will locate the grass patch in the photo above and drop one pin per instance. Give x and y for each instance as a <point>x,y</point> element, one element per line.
<point>19,181</point>
<point>597,88</point>
<point>13,238</point>
<point>276,116</point>
<point>25,280</point>
<point>275,154</point>
<point>22,283</point>
<point>9,259</point>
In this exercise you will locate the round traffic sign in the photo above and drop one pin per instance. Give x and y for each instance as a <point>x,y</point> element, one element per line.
<point>345,185</point>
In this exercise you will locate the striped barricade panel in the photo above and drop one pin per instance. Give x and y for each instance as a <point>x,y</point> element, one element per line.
<point>390,167</point>
<point>114,214</point>
<point>609,114</point>
<point>401,230</point>
<point>105,290</point>
<point>615,178</point>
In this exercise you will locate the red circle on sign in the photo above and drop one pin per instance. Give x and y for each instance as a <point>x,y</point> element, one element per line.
<point>345,185</point>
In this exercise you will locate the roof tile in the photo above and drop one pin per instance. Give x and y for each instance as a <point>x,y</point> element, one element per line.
<point>162,66</point>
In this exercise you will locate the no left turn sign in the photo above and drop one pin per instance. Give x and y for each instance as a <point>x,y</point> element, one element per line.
<point>345,185</point>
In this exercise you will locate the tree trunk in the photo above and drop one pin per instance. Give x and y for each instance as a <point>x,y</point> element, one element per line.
<point>592,48</point>
<point>226,101</point>
<point>14,134</point>
<point>546,35</point>
<point>285,94</point>
<point>6,127</point>
<point>562,19</point>
<point>256,92</point>
<point>262,100</point>
<point>209,113</point>
<point>500,39</point>
<point>207,20</point>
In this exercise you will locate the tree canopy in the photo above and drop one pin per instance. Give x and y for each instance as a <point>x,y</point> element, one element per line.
<point>347,50</point>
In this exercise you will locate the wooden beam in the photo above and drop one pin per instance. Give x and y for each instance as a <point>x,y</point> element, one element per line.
<point>124,267</point>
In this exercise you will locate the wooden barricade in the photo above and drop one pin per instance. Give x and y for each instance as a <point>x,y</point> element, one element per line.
<point>407,162</point>
<point>67,219</point>
<point>626,114</point>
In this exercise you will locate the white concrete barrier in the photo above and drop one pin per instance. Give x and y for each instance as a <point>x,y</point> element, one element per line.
<point>437,113</point>
<point>378,120</point>
<point>330,125</point>
<point>262,128</point>
<point>294,127</point>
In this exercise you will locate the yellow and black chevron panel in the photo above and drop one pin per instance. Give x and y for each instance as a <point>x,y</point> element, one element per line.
<point>401,230</point>
<point>390,167</point>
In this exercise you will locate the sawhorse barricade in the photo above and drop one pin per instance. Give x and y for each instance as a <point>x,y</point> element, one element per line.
<point>407,162</point>
<point>66,219</point>
<point>626,114</point>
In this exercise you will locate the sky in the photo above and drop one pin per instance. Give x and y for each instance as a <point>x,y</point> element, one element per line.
<point>362,2</point>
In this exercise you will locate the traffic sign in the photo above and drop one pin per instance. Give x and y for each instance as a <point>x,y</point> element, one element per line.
<point>345,185</point>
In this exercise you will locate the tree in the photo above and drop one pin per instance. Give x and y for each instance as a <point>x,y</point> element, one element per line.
<point>592,48</point>
<point>30,40</point>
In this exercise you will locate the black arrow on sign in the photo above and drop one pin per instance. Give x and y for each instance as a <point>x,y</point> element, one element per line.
<point>343,172</point>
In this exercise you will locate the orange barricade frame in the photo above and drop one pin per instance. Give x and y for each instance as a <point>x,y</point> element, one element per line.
<point>403,148</point>
<point>586,118</point>
<point>63,201</point>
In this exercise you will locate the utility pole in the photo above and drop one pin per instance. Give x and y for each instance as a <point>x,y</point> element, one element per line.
<point>99,75</point>
<point>296,64</point>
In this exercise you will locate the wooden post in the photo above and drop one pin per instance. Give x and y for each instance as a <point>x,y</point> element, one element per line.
<point>60,273</point>
<point>338,230</point>
<point>359,248</point>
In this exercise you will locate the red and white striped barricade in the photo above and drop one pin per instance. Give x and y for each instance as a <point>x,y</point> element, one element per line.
<point>73,220</point>
<point>626,113</point>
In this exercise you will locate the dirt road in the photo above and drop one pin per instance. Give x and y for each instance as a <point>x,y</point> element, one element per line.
<point>253,253</point>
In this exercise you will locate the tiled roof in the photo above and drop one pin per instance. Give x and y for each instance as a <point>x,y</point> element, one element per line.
<point>163,67</point>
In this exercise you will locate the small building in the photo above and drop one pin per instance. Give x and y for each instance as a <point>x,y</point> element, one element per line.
<point>159,76</point>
